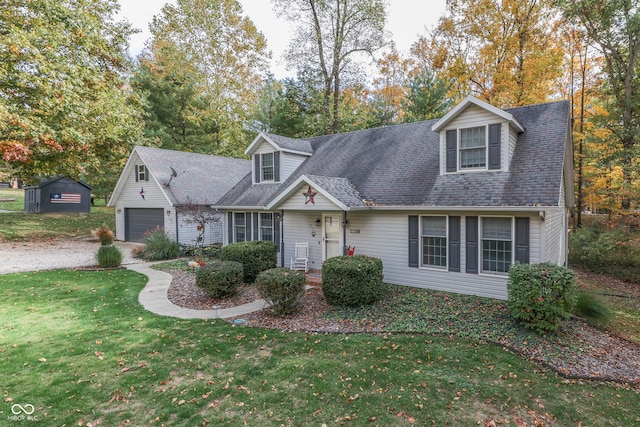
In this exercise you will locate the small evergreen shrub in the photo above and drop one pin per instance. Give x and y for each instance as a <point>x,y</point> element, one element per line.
<point>282,288</point>
<point>352,281</point>
<point>109,256</point>
<point>595,311</point>
<point>255,256</point>
<point>158,246</point>
<point>613,252</point>
<point>219,279</point>
<point>207,252</point>
<point>541,296</point>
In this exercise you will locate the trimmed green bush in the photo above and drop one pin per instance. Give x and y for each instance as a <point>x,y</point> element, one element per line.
<point>595,311</point>
<point>219,279</point>
<point>541,296</point>
<point>109,256</point>
<point>282,288</point>
<point>352,281</point>
<point>157,247</point>
<point>613,252</point>
<point>255,256</point>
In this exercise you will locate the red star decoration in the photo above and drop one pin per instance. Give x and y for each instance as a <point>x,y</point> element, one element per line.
<point>309,195</point>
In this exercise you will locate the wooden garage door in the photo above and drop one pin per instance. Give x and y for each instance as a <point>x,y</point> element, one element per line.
<point>138,221</point>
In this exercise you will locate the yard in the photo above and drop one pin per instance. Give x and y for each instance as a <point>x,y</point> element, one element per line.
<point>78,347</point>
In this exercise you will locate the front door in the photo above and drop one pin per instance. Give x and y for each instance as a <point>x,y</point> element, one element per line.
<point>331,235</point>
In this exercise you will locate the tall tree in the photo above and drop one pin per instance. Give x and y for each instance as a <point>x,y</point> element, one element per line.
<point>211,60</point>
<point>64,105</point>
<point>427,97</point>
<point>329,35</point>
<point>503,51</point>
<point>390,88</point>
<point>614,28</point>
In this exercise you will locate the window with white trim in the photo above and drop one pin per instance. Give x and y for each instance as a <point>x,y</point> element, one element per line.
<point>473,148</point>
<point>497,244</point>
<point>433,233</point>
<point>266,226</point>
<point>267,167</point>
<point>141,173</point>
<point>239,226</point>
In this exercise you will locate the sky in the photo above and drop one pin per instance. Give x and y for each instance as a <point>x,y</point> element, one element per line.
<point>407,19</point>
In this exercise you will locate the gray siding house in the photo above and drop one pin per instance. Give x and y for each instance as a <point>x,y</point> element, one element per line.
<point>175,191</point>
<point>447,204</point>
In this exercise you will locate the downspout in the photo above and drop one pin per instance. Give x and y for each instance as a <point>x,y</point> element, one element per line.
<point>344,233</point>
<point>282,238</point>
<point>175,212</point>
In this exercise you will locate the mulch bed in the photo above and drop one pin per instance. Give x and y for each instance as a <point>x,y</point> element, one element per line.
<point>580,353</point>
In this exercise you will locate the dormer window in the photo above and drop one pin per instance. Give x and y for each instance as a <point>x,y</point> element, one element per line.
<point>267,167</point>
<point>473,148</point>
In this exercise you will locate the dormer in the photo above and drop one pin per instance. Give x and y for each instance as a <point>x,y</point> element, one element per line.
<point>276,157</point>
<point>476,137</point>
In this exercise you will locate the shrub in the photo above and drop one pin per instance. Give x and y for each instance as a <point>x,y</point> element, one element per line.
<point>109,256</point>
<point>104,234</point>
<point>282,288</point>
<point>208,252</point>
<point>255,256</point>
<point>352,281</point>
<point>592,309</point>
<point>219,279</point>
<point>158,246</point>
<point>612,252</point>
<point>541,296</point>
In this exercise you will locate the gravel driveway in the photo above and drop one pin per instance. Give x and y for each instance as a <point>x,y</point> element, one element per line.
<point>80,252</point>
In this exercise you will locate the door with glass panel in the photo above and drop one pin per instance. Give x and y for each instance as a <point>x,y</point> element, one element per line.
<point>331,236</point>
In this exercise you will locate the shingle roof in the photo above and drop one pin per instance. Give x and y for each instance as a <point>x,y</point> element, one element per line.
<point>201,178</point>
<point>291,144</point>
<point>399,166</point>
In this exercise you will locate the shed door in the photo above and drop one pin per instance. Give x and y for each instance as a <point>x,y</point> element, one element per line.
<point>138,221</point>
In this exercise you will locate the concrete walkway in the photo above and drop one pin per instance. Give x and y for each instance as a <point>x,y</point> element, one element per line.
<point>154,298</point>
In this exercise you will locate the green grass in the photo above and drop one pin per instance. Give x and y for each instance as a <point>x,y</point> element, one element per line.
<point>12,193</point>
<point>78,347</point>
<point>22,226</point>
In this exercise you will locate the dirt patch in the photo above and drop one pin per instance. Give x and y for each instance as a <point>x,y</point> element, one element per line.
<point>16,257</point>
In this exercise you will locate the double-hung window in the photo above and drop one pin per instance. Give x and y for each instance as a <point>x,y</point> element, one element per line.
<point>497,244</point>
<point>473,148</point>
<point>434,241</point>
<point>141,173</point>
<point>239,226</point>
<point>267,167</point>
<point>266,227</point>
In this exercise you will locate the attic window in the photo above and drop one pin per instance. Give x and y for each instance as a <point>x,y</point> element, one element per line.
<point>142,173</point>
<point>473,148</point>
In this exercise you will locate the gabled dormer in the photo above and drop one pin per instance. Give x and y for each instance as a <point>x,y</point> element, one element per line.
<point>476,137</point>
<point>276,157</point>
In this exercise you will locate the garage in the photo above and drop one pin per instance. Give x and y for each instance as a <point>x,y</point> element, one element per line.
<point>138,221</point>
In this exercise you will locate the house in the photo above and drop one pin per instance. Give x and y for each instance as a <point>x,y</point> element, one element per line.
<point>447,204</point>
<point>60,194</point>
<point>175,191</point>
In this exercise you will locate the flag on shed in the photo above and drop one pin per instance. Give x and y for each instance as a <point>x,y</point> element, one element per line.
<point>66,198</point>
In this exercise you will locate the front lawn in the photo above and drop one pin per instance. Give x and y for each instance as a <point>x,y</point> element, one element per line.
<point>78,347</point>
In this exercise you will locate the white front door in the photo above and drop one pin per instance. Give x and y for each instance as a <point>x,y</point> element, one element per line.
<point>331,235</point>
